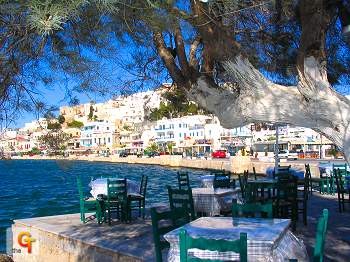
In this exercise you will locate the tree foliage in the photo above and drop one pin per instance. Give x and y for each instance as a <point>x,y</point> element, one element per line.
<point>75,124</point>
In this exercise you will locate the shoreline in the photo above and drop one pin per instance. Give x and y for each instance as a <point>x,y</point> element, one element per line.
<point>236,164</point>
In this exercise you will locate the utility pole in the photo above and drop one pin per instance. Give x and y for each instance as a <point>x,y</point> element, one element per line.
<point>276,151</point>
<point>321,148</point>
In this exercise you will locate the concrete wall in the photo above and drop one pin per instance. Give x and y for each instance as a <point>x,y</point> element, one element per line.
<point>235,164</point>
<point>52,247</point>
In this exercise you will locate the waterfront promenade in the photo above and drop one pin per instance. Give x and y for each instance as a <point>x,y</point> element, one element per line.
<point>236,164</point>
<point>65,238</point>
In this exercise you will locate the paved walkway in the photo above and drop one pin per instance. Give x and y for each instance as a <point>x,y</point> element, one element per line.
<point>337,247</point>
<point>133,242</point>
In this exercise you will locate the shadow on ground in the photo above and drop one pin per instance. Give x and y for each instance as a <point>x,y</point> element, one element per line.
<point>337,246</point>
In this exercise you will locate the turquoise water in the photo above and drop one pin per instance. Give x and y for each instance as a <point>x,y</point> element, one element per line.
<point>32,188</point>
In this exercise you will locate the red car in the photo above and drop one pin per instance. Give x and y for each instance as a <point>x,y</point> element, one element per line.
<point>219,154</point>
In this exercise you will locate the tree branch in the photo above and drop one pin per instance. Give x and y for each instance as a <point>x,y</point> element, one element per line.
<point>181,53</point>
<point>193,49</point>
<point>168,59</point>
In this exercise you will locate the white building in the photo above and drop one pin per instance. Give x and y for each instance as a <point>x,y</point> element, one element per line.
<point>97,134</point>
<point>35,125</point>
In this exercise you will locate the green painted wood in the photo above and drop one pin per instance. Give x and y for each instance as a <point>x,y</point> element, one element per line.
<point>187,242</point>
<point>162,223</point>
<point>117,199</point>
<point>181,198</point>
<point>88,205</point>
<point>264,210</point>
<point>321,232</point>
<point>139,200</point>
<point>183,180</point>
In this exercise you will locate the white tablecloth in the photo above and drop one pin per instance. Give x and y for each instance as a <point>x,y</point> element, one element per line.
<point>268,239</point>
<point>211,201</point>
<point>99,186</point>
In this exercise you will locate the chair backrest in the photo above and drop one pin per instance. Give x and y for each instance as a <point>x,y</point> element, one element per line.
<point>243,179</point>
<point>254,173</point>
<point>143,185</point>
<point>183,180</point>
<point>307,179</point>
<point>181,198</point>
<point>116,189</point>
<point>287,187</point>
<point>80,188</point>
<point>187,242</point>
<point>321,231</point>
<point>255,209</point>
<point>221,181</point>
<point>282,170</point>
<point>162,223</point>
<point>339,179</point>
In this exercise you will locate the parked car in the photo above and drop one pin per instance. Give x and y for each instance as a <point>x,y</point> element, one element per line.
<point>283,154</point>
<point>220,154</point>
<point>292,154</point>
<point>123,154</point>
<point>153,154</point>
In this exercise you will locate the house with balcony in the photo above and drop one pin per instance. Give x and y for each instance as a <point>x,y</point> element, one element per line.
<point>97,135</point>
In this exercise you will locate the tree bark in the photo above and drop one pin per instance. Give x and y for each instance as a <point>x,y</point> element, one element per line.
<point>260,100</point>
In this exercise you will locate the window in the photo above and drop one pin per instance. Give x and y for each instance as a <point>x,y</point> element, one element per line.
<point>179,125</point>
<point>109,139</point>
<point>179,134</point>
<point>107,127</point>
<point>197,133</point>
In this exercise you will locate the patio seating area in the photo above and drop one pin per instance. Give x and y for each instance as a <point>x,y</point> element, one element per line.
<point>67,236</point>
<point>263,212</point>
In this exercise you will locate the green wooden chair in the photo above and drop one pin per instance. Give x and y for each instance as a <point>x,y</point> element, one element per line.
<point>264,210</point>
<point>254,173</point>
<point>282,170</point>
<point>321,231</point>
<point>88,205</point>
<point>183,180</point>
<point>181,198</point>
<point>187,242</point>
<point>162,223</point>
<point>139,198</point>
<point>339,175</point>
<point>286,201</point>
<point>117,199</point>
<point>303,195</point>
<point>243,179</point>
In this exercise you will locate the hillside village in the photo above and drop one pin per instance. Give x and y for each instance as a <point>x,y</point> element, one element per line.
<point>123,124</point>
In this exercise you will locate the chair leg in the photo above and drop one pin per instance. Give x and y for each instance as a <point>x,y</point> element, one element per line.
<point>305,214</point>
<point>109,216</point>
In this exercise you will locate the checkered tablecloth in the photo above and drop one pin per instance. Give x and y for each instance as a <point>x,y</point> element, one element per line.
<point>268,239</point>
<point>211,201</point>
<point>99,186</point>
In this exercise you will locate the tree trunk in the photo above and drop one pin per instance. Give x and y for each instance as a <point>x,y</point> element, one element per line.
<point>260,100</point>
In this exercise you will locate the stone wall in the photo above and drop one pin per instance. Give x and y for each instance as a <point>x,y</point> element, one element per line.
<point>235,164</point>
